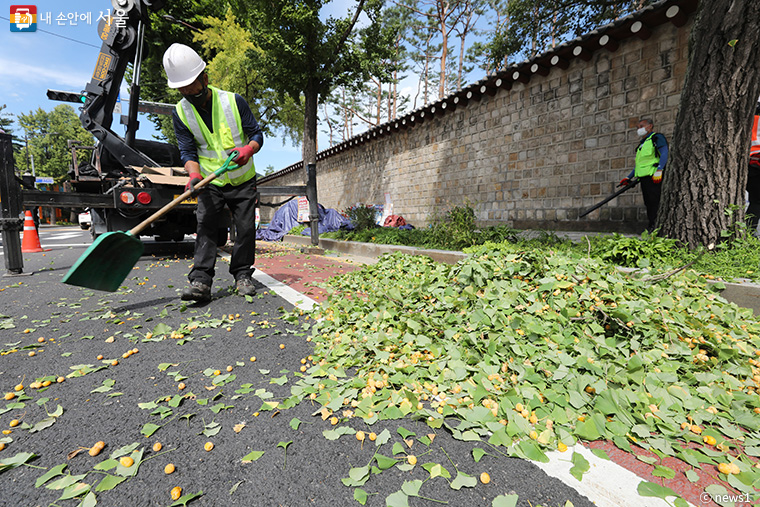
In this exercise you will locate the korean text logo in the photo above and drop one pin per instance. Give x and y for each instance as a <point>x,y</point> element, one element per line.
<point>23,18</point>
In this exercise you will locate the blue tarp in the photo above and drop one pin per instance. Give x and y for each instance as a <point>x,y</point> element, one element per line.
<point>285,219</point>
<point>329,221</point>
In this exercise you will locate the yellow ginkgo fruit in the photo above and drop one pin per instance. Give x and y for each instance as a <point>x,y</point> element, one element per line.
<point>126,461</point>
<point>176,492</point>
<point>95,449</point>
<point>729,468</point>
<point>485,478</point>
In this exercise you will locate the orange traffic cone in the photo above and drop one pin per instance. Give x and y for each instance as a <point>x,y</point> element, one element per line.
<point>31,240</point>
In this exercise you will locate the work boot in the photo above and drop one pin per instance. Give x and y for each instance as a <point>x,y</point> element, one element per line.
<point>198,291</point>
<point>245,285</point>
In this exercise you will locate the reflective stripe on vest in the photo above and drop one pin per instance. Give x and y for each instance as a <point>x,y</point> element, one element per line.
<point>755,145</point>
<point>213,148</point>
<point>647,159</point>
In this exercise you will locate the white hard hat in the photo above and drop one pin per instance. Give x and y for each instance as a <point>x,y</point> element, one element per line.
<point>182,65</point>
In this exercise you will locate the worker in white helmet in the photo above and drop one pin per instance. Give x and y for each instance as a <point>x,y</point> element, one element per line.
<point>209,124</point>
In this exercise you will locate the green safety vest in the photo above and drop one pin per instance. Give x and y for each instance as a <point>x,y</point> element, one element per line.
<point>647,158</point>
<point>213,148</point>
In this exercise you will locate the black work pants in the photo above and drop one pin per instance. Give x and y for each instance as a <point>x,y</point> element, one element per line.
<point>651,193</point>
<point>242,201</point>
<point>753,189</point>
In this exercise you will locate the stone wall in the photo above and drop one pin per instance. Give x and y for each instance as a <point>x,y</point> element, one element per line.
<point>533,156</point>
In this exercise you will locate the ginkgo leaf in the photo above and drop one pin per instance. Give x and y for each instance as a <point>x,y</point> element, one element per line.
<point>252,456</point>
<point>53,472</point>
<point>462,480</point>
<point>184,499</point>
<point>109,482</point>
<point>149,429</point>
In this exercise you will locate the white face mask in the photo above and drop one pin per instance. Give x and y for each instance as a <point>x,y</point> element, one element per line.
<point>642,132</point>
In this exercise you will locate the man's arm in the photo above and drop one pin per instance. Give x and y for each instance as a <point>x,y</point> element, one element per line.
<point>185,142</point>
<point>250,126</point>
<point>662,148</point>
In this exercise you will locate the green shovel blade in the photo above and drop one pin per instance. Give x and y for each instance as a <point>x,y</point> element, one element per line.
<point>107,262</point>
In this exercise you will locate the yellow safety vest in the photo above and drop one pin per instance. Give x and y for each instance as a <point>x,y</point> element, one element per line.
<point>647,158</point>
<point>213,148</point>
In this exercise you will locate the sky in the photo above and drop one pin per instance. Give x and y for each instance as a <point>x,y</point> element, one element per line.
<point>61,55</point>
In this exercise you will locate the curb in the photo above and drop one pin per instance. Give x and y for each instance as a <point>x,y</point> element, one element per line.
<point>744,294</point>
<point>376,250</point>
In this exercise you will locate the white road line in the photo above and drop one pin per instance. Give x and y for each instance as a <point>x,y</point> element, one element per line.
<point>607,484</point>
<point>60,236</point>
<point>47,246</point>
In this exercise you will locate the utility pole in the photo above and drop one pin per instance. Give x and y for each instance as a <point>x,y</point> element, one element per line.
<point>29,155</point>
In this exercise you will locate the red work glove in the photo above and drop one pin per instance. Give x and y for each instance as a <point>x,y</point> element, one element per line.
<point>195,178</point>
<point>624,182</point>
<point>244,154</point>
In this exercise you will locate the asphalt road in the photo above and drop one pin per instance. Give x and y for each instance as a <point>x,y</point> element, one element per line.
<point>69,327</point>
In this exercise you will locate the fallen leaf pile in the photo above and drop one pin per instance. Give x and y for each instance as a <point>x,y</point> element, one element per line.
<point>534,352</point>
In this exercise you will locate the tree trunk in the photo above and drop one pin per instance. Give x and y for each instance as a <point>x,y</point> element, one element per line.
<point>461,61</point>
<point>707,168</point>
<point>329,123</point>
<point>310,124</point>
<point>444,56</point>
<point>379,101</point>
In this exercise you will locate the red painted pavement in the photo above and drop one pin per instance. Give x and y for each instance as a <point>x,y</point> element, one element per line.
<point>298,270</point>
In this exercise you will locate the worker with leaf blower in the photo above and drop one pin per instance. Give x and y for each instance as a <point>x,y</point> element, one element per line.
<point>753,175</point>
<point>651,157</point>
<point>210,124</point>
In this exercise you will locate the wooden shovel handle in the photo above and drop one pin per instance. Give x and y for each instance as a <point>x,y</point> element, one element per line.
<point>136,230</point>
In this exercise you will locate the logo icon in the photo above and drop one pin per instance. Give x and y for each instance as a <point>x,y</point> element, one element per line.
<point>23,18</point>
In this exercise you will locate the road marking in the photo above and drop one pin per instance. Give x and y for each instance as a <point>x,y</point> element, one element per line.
<point>606,484</point>
<point>54,236</point>
<point>48,245</point>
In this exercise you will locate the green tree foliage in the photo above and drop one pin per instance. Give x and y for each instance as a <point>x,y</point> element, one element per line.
<point>161,34</point>
<point>235,63</point>
<point>47,134</point>
<point>525,28</point>
<point>307,56</point>
<point>5,121</point>
<point>6,125</point>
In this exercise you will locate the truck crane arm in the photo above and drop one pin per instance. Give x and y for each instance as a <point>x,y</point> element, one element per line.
<point>122,36</point>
